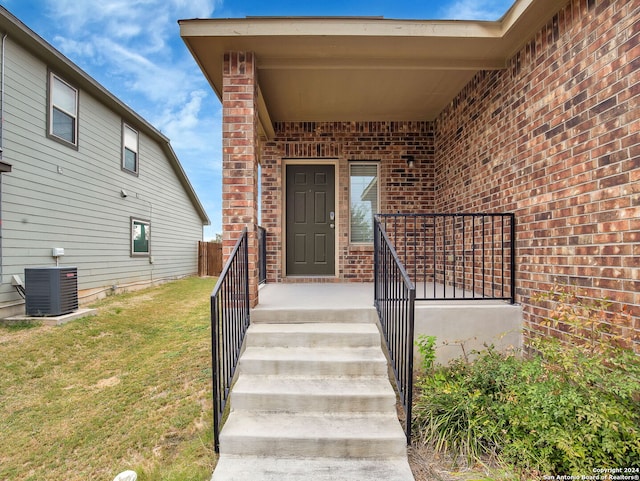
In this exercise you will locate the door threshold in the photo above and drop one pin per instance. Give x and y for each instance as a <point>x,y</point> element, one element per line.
<point>302,279</point>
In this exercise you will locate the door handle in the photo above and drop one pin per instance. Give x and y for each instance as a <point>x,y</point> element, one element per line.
<point>333,226</point>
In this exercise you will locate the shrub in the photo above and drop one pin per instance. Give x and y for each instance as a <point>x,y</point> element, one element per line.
<point>427,348</point>
<point>565,408</point>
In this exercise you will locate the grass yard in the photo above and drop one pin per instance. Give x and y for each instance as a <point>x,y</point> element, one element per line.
<point>127,389</point>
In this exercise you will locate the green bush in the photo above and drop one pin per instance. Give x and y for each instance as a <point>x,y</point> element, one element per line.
<point>427,348</point>
<point>568,407</point>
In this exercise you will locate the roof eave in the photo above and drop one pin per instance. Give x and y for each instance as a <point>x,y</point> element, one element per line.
<point>305,61</point>
<point>14,28</point>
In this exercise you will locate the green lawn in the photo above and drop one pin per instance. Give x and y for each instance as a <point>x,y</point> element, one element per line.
<point>127,389</point>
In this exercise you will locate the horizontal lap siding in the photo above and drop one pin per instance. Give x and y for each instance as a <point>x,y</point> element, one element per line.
<point>80,208</point>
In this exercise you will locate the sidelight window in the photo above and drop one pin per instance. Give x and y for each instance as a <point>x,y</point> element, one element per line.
<point>363,201</point>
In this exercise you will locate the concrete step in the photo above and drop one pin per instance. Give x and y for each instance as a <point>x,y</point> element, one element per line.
<point>349,435</point>
<point>300,361</point>
<point>244,468</point>
<point>316,315</point>
<point>326,394</point>
<point>313,402</point>
<point>314,335</point>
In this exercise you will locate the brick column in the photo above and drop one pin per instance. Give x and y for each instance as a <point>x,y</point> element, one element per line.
<point>240,159</point>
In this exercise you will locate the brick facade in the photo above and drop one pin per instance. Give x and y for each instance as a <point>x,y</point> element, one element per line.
<point>555,138</point>
<point>239,162</point>
<point>401,189</point>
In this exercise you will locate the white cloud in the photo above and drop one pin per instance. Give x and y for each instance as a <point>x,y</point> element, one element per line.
<point>133,48</point>
<point>136,42</point>
<point>188,114</point>
<point>156,81</point>
<point>73,48</point>
<point>189,127</point>
<point>195,8</point>
<point>476,9</point>
<point>150,24</point>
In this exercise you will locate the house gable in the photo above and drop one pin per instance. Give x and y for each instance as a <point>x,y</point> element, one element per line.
<point>79,198</point>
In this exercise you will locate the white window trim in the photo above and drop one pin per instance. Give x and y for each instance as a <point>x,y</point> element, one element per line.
<point>126,126</point>
<point>375,164</point>
<point>75,117</point>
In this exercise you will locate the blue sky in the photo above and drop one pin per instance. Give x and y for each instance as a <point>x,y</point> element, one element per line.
<point>133,48</point>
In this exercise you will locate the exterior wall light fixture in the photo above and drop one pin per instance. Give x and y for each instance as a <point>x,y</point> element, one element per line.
<point>411,161</point>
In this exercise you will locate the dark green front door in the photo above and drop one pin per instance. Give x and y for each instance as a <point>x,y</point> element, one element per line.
<point>310,220</point>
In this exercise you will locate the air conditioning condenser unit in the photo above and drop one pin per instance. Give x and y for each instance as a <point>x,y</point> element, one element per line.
<point>50,291</point>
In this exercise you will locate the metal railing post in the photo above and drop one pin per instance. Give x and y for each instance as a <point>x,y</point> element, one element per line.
<point>214,376</point>
<point>230,319</point>
<point>512,218</point>
<point>395,296</point>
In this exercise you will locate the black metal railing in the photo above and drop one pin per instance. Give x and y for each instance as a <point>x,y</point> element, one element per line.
<point>262,255</point>
<point>229,324</point>
<point>456,256</point>
<point>395,296</point>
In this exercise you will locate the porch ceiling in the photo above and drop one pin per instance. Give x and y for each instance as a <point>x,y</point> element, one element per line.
<point>361,68</point>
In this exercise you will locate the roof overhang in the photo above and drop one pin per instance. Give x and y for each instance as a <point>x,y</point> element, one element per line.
<point>361,68</point>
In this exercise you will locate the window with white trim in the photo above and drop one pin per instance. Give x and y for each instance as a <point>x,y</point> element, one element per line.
<point>140,237</point>
<point>363,201</point>
<point>63,111</point>
<point>129,149</point>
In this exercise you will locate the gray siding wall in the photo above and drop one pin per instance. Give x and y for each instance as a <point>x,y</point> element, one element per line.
<point>60,197</point>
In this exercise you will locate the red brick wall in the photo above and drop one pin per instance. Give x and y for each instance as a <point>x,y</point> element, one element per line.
<point>239,162</point>
<point>555,138</point>
<point>402,189</point>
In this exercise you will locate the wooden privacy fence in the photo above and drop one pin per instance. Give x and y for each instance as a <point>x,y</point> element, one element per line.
<point>209,258</point>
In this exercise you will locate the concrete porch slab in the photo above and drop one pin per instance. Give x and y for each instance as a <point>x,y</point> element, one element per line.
<point>460,325</point>
<point>316,295</point>
<point>349,295</point>
<point>315,302</point>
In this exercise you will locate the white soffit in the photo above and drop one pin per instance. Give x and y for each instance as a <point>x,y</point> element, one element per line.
<point>362,68</point>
